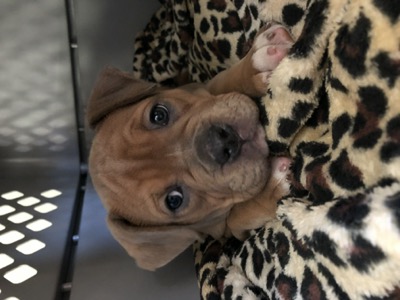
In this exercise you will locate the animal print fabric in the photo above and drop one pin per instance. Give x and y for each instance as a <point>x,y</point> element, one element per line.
<point>194,40</point>
<point>334,106</point>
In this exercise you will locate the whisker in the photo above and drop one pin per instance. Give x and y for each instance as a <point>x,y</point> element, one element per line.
<point>178,152</point>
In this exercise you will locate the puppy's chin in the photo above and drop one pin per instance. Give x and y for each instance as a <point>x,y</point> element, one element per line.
<point>216,230</point>
<point>259,142</point>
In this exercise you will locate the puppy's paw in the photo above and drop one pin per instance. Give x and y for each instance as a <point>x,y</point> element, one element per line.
<point>270,47</point>
<point>280,168</point>
<point>255,212</point>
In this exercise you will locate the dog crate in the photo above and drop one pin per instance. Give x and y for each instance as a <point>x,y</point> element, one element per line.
<point>54,243</point>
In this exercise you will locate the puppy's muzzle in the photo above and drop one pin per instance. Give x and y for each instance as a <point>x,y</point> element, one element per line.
<point>219,144</point>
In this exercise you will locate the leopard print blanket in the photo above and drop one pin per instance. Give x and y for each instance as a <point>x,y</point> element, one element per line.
<point>334,106</point>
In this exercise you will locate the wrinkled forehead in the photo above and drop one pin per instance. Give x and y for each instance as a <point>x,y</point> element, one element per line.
<point>136,162</point>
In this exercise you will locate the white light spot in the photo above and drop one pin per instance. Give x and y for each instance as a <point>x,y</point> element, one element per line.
<point>39,142</point>
<point>12,195</point>
<point>5,260</point>
<point>2,227</point>
<point>5,143</point>
<point>38,115</point>
<point>42,131</point>
<point>58,123</point>
<point>20,274</point>
<point>22,123</point>
<point>39,225</point>
<point>4,113</point>
<point>58,139</point>
<point>23,139</point>
<point>31,247</point>
<point>28,201</point>
<point>20,217</point>
<point>51,193</point>
<point>6,131</point>
<point>45,208</point>
<point>56,148</point>
<point>11,237</point>
<point>6,209</point>
<point>12,298</point>
<point>23,148</point>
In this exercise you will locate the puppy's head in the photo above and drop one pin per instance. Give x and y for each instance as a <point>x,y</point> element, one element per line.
<point>169,164</point>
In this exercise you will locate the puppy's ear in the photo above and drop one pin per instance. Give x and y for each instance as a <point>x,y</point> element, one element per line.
<point>115,89</point>
<point>152,247</point>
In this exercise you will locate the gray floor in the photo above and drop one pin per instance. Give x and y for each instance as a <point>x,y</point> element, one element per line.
<point>38,149</point>
<point>39,152</point>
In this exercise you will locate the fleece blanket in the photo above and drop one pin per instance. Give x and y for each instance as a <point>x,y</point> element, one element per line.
<point>334,106</point>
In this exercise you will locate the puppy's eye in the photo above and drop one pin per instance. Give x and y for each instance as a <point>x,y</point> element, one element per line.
<point>159,115</point>
<point>174,199</point>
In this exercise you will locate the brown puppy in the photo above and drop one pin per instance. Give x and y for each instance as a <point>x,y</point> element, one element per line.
<point>173,165</point>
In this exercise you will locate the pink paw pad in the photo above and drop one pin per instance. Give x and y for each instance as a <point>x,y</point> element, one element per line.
<point>277,35</point>
<point>280,168</point>
<point>281,164</point>
<point>271,47</point>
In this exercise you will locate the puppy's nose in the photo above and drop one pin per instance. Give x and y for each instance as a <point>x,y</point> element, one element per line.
<point>223,143</point>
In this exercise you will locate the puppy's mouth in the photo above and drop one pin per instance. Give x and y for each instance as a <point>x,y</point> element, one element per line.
<point>256,139</point>
<point>119,220</point>
<point>223,143</point>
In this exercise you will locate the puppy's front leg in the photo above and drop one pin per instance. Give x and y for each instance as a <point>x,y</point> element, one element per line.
<point>256,212</point>
<point>251,74</point>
